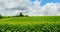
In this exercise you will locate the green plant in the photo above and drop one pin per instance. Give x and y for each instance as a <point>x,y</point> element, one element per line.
<point>30,28</point>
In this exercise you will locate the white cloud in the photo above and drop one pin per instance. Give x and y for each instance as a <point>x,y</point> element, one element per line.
<point>48,9</point>
<point>10,7</point>
<point>51,9</point>
<point>14,7</point>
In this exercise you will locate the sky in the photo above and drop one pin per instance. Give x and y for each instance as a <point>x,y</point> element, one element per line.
<point>49,1</point>
<point>30,7</point>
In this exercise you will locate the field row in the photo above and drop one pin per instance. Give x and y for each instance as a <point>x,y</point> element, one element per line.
<point>27,23</point>
<point>30,28</point>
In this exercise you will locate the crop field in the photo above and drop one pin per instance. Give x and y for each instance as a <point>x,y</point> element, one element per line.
<point>30,24</point>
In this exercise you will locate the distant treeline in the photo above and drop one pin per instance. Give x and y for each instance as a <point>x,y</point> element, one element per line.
<point>20,15</point>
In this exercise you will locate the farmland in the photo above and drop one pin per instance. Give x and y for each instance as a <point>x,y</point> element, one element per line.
<point>30,24</point>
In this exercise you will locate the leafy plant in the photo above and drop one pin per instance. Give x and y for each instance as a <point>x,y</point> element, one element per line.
<point>30,28</point>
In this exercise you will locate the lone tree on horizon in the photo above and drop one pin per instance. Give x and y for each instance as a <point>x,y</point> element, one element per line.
<point>21,14</point>
<point>0,16</point>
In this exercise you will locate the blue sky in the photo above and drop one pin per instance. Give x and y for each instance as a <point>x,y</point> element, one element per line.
<point>43,2</point>
<point>49,1</point>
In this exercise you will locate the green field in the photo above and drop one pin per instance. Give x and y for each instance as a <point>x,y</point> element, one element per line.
<point>30,24</point>
<point>31,20</point>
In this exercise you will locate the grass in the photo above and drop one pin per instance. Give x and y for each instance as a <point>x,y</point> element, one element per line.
<point>31,20</point>
<point>31,24</point>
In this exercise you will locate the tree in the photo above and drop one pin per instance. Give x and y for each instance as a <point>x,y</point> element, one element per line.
<point>0,16</point>
<point>21,15</point>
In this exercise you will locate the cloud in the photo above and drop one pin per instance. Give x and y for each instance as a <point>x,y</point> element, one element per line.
<point>14,7</point>
<point>49,9</point>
